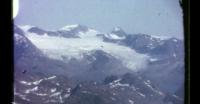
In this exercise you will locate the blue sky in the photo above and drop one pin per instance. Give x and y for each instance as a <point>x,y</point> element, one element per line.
<point>154,17</point>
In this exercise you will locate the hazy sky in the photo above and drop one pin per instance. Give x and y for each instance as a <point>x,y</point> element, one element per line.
<point>155,17</point>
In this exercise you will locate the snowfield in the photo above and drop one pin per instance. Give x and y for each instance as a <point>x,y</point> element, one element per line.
<point>58,47</point>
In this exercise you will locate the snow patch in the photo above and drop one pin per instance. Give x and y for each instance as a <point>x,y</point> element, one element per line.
<point>141,94</point>
<point>133,87</point>
<point>31,90</point>
<point>160,37</point>
<point>116,83</point>
<point>175,40</point>
<point>69,27</point>
<point>151,46</point>
<point>114,94</point>
<point>153,59</point>
<point>61,99</point>
<point>131,101</point>
<point>174,55</point>
<point>66,95</point>
<point>57,84</point>
<point>55,94</point>
<point>114,36</point>
<point>177,97</point>
<point>85,92</point>
<point>41,94</point>
<point>116,29</point>
<point>112,98</point>
<point>51,77</point>
<point>53,90</point>
<point>37,82</point>
<point>69,90</point>
<point>26,83</point>
<point>14,103</point>
<point>153,89</point>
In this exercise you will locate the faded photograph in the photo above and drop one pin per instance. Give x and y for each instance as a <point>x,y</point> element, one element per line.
<point>98,52</point>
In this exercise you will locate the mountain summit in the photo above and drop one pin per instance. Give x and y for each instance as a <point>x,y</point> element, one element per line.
<point>75,27</point>
<point>118,31</point>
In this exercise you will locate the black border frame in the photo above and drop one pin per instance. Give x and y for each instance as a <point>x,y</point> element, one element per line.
<point>6,51</point>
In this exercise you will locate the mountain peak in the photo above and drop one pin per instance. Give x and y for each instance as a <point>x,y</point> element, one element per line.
<point>161,37</point>
<point>72,27</point>
<point>26,27</point>
<point>69,27</point>
<point>117,29</point>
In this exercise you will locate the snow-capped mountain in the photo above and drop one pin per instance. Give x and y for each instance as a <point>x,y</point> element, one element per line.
<point>119,31</point>
<point>116,34</point>
<point>57,47</point>
<point>78,54</point>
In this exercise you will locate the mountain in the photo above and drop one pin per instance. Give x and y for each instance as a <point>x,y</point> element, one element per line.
<point>116,34</point>
<point>80,65</point>
<point>166,58</point>
<point>22,44</point>
<point>69,31</point>
<point>118,31</point>
<point>127,89</point>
